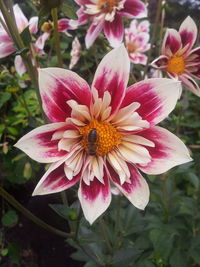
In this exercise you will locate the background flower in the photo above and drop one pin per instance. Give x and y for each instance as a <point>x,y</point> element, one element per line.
<point>178,58</point>
<point>75,52</point>
<point>123,120</point>
<point>137,41</point>
<point>107,15</point>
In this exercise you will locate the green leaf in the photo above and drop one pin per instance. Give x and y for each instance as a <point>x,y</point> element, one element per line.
<point>178,259</point>
<point>162,240</point>
<point>14,252</point>
<point>13,131</point>
<point>4,97</point>
<point>26,36</point>
<point>10,218</point>
<point>61,210</point>
<point>125,256</point>
<point>69,11</point>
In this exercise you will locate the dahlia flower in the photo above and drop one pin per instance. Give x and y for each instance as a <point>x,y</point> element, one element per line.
<point>137,41</point>
<point>107,15</point>
<point>105,134</point>
<point>178,59</point>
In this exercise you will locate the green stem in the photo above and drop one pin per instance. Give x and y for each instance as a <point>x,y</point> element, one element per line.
<point>54,13</point>
<point>105,236</point>
<point>12,201</point>
<point>159,7</point>
<point>64,198</point>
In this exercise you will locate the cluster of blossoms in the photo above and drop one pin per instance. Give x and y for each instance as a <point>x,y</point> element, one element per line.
<point>7,46</point>
<point>105,135</point>
<point>126,138</point>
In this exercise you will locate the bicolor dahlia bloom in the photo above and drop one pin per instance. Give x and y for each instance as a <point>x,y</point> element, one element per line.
<point>105,134</point>
<point>107,15</point>
<point>137,41</point>
<point>178,58</point>
<point>6,43</point>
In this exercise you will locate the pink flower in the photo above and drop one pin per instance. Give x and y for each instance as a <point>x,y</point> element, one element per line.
<point>178,58</point>
<point>137,38</point>
<point>6,43</point>
<point>75,52</point>
<point>107,15</point>
<point>106,133</point>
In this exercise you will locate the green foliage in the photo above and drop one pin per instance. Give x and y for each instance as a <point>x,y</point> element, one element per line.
<point>10,218</point>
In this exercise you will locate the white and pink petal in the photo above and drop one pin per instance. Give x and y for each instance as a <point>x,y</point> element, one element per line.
<point>169,151</point>
<point>171,43</point>
<point>54,180</point>
<point>157,96</point>
<point>94,198</point>
<point>57,86</point>
<point>136,189</point>
<point>114,31</point>
<point>112,76</point>
<point>133,9</point>
<point>38,143</point>
<point>188,33</point>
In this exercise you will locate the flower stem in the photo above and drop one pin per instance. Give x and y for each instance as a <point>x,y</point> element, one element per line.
<point>54,13</point>
<point>118,208</point>
<point>105,236</point>
<point>12,201</point>
<point>159,7</point>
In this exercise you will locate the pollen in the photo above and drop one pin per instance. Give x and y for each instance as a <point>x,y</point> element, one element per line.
<point>107,6</point>
<point>176,65</point>
<point>108,137</point>
<point>131,47</point>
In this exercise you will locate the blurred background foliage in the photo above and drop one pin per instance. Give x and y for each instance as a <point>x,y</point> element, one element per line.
<point>166,234</point>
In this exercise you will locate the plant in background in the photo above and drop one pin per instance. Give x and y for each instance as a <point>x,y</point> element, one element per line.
<point>107,15</point>
<point>107,135</point>
<point>178,58</point>
<point>137,41</point>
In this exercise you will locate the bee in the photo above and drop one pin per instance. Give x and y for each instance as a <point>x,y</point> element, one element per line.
<point>92,142</point>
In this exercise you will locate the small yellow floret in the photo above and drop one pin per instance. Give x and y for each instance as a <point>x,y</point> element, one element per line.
<point>176,65</point>
<point>107,136</point>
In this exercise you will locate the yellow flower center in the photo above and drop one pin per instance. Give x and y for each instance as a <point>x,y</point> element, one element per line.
<point>131,47</point>
<point>176,65</point>
<point>106,6</point>
<point>47,27</point>
<point>99,138</point>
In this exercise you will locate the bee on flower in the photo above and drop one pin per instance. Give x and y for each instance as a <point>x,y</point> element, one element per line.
<point>178,57</point>
<point>103,135</point>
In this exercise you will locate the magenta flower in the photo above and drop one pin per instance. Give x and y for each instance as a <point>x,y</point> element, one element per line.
<point>107,15</point>
<point>178,58</point>
<point>137,41</point>
<point>104,134</point>
<point>6,43</point>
